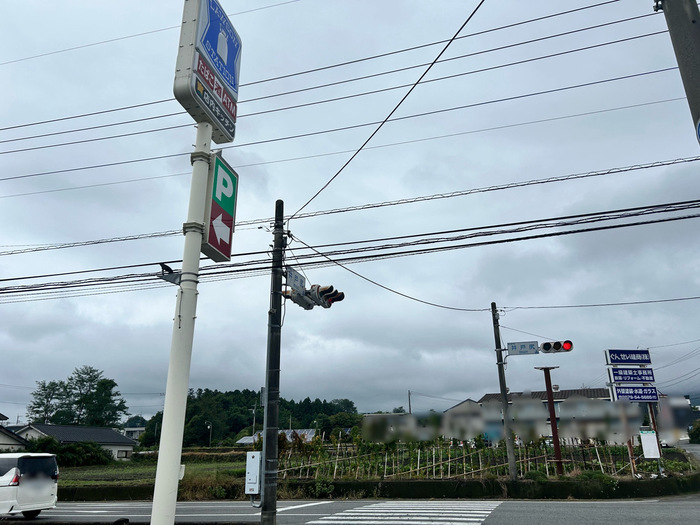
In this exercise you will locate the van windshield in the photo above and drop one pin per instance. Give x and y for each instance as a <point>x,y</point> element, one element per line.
<point>38,467</point>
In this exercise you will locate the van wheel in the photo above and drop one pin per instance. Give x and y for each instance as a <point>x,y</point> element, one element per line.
<point>30,514</point>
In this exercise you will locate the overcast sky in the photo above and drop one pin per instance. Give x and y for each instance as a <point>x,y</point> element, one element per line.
<point>521,122</point>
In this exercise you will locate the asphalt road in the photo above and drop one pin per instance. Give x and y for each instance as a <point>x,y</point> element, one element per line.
<point>669,511</point>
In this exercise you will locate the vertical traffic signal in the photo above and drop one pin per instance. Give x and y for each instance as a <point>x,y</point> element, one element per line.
<point>318,295</point>
<point>556,346</point>
<point>325,296</point>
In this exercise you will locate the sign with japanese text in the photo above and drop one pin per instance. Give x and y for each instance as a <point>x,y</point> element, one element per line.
<point>631,375</point>
<point>208,66</point>
<point>523,348</point>
<point>296,281</point>
<point>628,357</point>
<point>637,394</point>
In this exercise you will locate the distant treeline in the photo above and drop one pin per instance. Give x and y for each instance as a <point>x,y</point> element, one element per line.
<point>224,417</point>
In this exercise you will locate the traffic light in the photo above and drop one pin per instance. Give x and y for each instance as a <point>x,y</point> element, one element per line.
<point>325,296</point>
<point>318,295</point>
<point>556,346</point>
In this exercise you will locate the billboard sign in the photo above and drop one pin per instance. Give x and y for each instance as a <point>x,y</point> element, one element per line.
<point>208,66</point>
<point>631,375</point>
<point>220,213</point>
<point>636,394</point>
<point>627,357</point>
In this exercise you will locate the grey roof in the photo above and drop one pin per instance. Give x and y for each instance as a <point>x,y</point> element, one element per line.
<point>467,401</point>
<point>307,433</point>
<point>20,440</point>
<point>3,417</point>
<point>76,434</point>
<point>560,395</point>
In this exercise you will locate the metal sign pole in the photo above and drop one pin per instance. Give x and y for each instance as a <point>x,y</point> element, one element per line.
<point>170,451</point>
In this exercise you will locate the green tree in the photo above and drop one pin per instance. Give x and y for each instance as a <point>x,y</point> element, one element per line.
<point>694,433</point>
<point>85,398</point>
<point>153,427</point>
<point>46,401</point>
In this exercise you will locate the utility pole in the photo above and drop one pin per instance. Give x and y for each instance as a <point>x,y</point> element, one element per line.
<point>552,417</point>
<point>510,447</point>
<point>272,381</point>
<point>683,21</point>
<point>409,402</point>
<point>171,434</point>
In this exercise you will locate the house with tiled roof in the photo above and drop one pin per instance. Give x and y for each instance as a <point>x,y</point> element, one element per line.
<point>120,446</point>
<point>9,441</point>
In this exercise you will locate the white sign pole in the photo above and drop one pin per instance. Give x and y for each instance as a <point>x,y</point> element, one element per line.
<point>170,451</point>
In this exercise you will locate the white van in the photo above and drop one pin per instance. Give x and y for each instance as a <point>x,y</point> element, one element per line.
<point>28,483</point>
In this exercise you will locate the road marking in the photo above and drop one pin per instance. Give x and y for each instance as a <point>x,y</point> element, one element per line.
<point>414,513</point>
<point>304,505</point>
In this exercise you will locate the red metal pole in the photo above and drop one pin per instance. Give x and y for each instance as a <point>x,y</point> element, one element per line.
<point>553,418</point>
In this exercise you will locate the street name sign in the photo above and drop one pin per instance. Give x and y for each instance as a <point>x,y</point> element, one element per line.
<point>636,394</point>
<point>631,375</point>
<point>207,67</point>
<point>220,212</point>
<point>523,348</point>
<point>296,281</point>
<point>628,357</point>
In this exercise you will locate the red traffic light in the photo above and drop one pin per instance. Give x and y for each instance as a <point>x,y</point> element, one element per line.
<point>556,346</point>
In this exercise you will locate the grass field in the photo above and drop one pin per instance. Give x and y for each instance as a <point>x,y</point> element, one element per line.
<point>133,473</point>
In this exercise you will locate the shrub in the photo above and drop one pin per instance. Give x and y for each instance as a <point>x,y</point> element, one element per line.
<point>322,488</point>
<point>595,475</point>
<point>72,454</point>
<point>536,475</point>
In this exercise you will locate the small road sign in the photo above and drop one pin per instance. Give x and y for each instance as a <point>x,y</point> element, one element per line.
<point>220,214</point>
<point>296,281</point>
<point>523,348</point>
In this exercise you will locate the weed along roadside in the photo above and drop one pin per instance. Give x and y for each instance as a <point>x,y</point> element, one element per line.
<point>220,476</point>
<point>600,488</point>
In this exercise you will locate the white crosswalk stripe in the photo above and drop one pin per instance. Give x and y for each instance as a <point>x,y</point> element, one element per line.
<point>413,513</point>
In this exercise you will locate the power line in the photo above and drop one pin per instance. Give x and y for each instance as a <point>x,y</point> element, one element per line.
<point>135,279</point>
<point>341,64</point>
<point>674,344</point>
<point>324,101</point>
<point>108,41</point>
<point>396,107</point>
<point>355,126</point>
<point>391,144</point>
<point>460,193</point>
<point>388,289</point>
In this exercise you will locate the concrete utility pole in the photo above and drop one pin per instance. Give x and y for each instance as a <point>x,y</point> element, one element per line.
<point>170,450</point>
<point>510,447</point>
<point>683,21</point>
<point>272,382</point>
<point>552,417</point>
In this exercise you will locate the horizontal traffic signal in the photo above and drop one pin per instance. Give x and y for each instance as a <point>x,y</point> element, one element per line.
<point>556,346</point>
